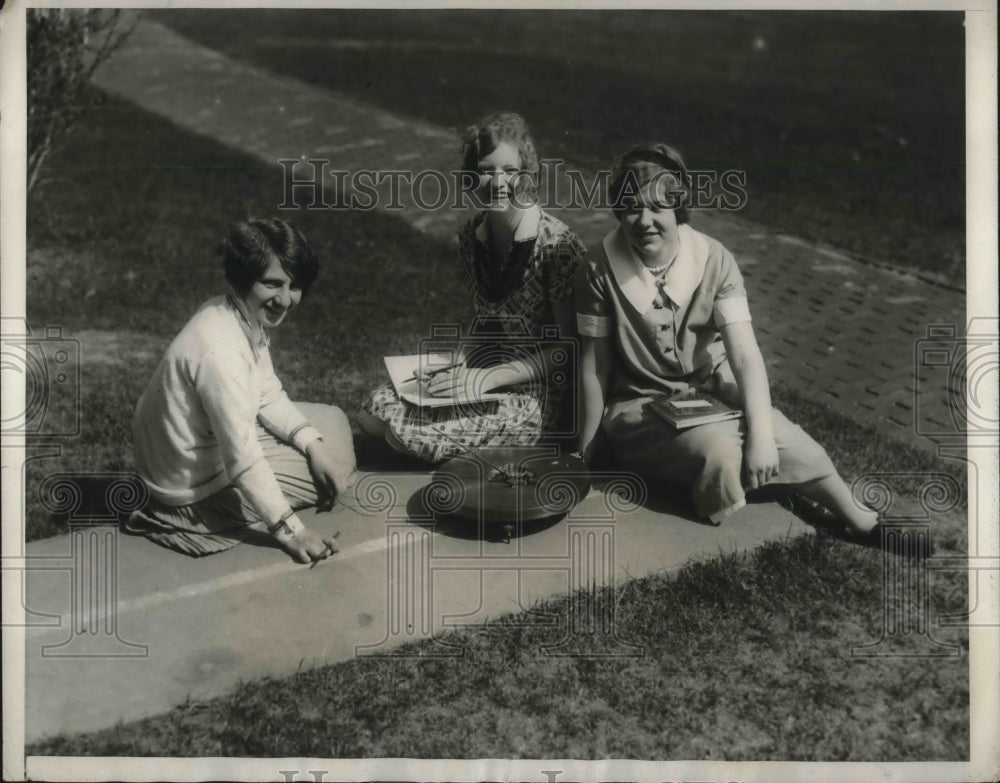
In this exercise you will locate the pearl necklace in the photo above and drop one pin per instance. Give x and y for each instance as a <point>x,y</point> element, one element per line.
<point>656,271</point>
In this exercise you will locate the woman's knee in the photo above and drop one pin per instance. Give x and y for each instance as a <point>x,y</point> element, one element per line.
<point>710,444</point>
<point>330,420</point>
<point>799,452</point>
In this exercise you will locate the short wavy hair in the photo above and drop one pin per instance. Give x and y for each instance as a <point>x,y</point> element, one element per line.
<point>247,248</point>
<point>627,179</point>
<point>505,126</point>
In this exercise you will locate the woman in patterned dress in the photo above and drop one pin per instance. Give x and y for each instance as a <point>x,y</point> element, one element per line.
<point>519,263</point>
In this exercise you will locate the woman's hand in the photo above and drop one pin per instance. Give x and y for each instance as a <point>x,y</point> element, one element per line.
<point>331,473</point>
<point>760,459</point>
<point>466,382</point>
<point>307,546</point>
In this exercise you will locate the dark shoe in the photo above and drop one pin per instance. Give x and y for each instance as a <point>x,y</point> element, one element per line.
<point>809,511</point>
<point>877,538</point>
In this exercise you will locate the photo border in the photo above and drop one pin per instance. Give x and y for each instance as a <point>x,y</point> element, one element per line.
<point>984,648</point>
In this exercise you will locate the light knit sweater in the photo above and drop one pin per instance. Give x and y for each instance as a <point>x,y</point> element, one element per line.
<point>195,427</point>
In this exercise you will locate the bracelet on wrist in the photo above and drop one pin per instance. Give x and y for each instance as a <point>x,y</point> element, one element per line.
<point>286,527</point>
<point>281,530</point>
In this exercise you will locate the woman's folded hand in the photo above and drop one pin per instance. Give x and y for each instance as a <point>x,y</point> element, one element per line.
<point>331,473</point>
<point>461,382</point>
<point>760,459</point>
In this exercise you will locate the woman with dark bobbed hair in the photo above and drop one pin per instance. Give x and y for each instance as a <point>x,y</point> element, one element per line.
<point>519,264</point>
<point>222,449</point>
<point>662,311</point>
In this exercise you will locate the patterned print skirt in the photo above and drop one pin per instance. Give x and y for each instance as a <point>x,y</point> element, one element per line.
<point>437,434</point>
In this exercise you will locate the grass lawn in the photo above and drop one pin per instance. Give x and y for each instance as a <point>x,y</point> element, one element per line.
<point>850,126</point>
<point>746,657</point>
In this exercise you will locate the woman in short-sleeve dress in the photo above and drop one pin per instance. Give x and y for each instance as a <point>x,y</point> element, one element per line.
<point>519,263</point>
<point>662,310</point>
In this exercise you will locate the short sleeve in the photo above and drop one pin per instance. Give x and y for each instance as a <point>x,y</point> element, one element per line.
<point>593,314</point>
<point>562,258</point>
<point>731,305</point>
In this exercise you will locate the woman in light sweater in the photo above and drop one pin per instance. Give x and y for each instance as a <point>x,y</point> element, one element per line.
<point>222,449</point>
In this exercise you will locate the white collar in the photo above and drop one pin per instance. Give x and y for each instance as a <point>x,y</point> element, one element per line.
<point>527,228</point>
<point>639,284</point>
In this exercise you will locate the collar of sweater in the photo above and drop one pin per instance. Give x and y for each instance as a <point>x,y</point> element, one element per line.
<point>256,334</point>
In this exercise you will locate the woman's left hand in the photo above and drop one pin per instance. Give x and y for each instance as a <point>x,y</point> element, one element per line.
<point>331,474</point>
<point>760,458</point>
<point>463,382</point>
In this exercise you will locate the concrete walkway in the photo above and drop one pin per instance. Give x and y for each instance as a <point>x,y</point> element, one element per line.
<point>124,629</point>
<point>121,629</point>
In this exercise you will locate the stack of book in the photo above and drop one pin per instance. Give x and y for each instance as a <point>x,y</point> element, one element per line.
<point>691,409</point>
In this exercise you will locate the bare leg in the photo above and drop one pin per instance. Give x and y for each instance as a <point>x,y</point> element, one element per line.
<point>832,493</point>
<point>371,426</point>
<point>376,429</point>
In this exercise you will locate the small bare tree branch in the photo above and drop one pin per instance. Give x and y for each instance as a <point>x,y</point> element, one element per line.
<point>65,47</point>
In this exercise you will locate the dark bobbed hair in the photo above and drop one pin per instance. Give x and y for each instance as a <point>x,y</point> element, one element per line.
<point>247,248</point>
<point>626,181</point>
<point>484,137</point>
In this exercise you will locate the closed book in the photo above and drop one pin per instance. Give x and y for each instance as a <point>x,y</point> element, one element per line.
<point>691,409</point>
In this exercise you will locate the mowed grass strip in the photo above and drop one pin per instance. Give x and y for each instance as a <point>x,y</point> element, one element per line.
<point>744,656</point>
<point>849,126</point>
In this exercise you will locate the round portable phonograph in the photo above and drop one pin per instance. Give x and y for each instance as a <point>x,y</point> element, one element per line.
<point>510,489</point>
